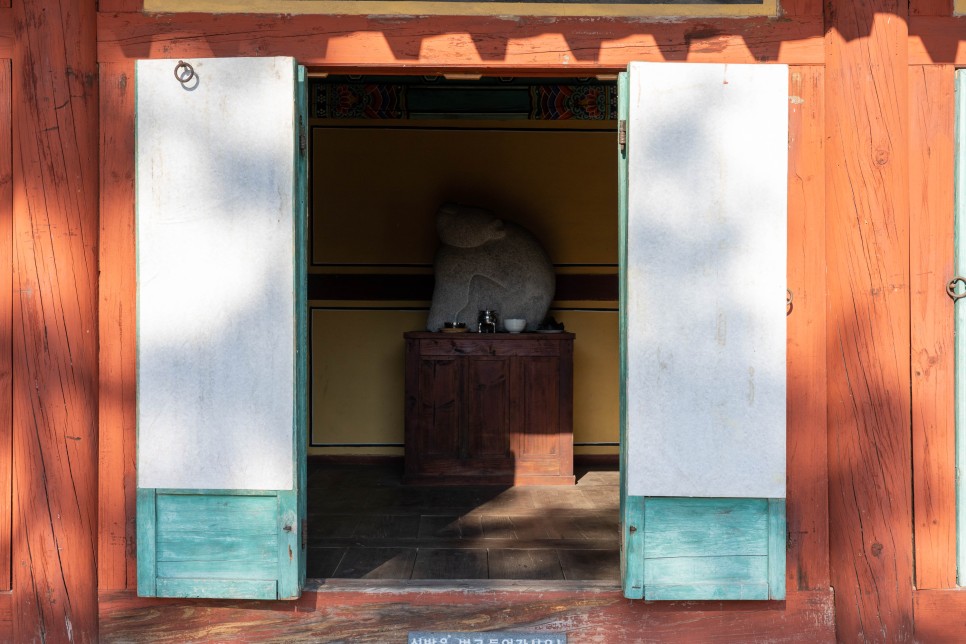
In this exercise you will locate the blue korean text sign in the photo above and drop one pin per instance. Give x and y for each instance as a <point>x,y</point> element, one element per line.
<point>436,637</point>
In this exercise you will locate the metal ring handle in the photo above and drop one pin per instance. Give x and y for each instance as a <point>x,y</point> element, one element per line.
<point>951,288</point>
<point>788,301</point>
<point>184,72</point>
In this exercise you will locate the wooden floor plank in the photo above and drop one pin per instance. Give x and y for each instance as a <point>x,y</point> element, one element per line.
<point>387,526</point>
<point>590,564</point>
<point>524,564</point>
<point>323,562</point>
<point>444,527</point>
<point>444,542</point>
<point>332,526</point>
<point>382,529</point>
<point>376,563</point>
<point>450,563</point>
<point>602,497</point>
<point>498,526</point>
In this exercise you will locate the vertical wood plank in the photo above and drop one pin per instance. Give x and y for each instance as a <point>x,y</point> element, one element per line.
<point>302,354</point>
<point>870,504</point>
<point>931,265</point>
<point>959,323</point>
<point>290,556</point>
<point>116,317</point>
<point>542,423</point>
<point>632,548</point>
<point>777,546</point>
<point>6,326</point>
<point>807,448</point>
<point>147,572</point>
<point>565,412</point>
<point>55,320</point>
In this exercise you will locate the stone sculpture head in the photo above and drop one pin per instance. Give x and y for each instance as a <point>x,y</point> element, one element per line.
<point>486,263</point>
<point>467,227</point>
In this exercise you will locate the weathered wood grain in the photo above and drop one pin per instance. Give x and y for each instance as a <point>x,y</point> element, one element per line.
<point>936,39</point>
<point>117,423</point>
<point>940,615</point>
<point>869,451</point>
<point>801,7</point>
<point>931,266</point>
<point>489,408</point>
<point>55,376</point>
<point>524,563</point>
<point>587,614</point>
<point>120,5</point>
<point>7,36</point>
<point>6,325</point>
<point>376,563</point>
<point>590,564</point>
<point>526,45</point>
<point>806,458</point>
<point>6,617</point>
<point>450,563</point>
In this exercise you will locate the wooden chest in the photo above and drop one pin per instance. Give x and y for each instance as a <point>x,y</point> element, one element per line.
<point>489,408</point>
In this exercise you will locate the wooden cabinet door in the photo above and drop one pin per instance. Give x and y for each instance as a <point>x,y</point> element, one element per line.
<point>487,428</point>
<point>439,415</point>
<point>540,410</point>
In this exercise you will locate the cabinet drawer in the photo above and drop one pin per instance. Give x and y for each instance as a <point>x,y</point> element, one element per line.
<point>480,347</point>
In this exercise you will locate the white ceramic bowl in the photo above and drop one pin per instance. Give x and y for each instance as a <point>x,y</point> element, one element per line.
<point>515,325</point>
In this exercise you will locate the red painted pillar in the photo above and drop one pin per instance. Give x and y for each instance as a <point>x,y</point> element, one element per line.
<point>55,374</point>
<point>867,228</point>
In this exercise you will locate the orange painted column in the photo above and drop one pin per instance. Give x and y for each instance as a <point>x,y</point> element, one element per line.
<point>55,375</point>
<point>867,250</point>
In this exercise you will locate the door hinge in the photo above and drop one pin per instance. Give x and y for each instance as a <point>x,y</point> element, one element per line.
<point>305,534</point>
<point>622,136</point>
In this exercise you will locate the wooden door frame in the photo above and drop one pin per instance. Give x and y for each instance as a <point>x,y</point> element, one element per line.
<point>931,38</point>
<point>808,606</point>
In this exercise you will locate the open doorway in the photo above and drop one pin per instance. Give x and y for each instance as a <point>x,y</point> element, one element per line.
<point>386,153</point>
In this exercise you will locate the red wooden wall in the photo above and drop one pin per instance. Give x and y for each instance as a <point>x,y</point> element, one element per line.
<point>870,434</point>
<point>48,347</point>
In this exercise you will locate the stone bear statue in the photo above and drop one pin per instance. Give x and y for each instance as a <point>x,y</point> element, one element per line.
<point>487,263</point>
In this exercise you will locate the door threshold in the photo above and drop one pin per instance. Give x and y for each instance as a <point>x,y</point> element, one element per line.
<point>465,585</point>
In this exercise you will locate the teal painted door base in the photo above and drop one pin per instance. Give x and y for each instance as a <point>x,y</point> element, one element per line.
<point>218,543</point>
<point>704,549</point>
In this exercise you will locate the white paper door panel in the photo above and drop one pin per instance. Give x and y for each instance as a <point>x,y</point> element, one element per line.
<point>706,255</point>
<point>216,290</point>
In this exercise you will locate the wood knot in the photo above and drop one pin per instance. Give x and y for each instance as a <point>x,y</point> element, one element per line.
<point>876,549</point>
<point>881,157</point>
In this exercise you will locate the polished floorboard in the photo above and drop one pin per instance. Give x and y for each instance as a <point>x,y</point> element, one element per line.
<point>364,523</point>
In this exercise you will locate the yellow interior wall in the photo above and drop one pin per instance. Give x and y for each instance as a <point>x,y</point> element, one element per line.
<point>358,378</point>
<point>375,194</point>
<point>382,188</point>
